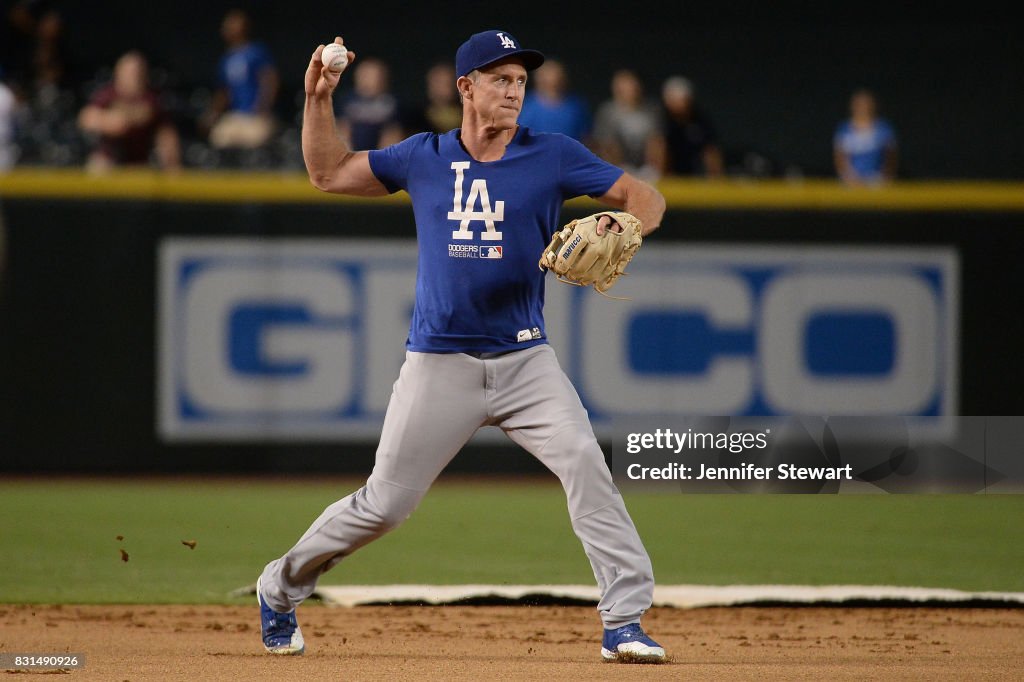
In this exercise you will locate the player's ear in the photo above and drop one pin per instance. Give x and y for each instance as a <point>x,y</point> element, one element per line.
<point>465,86</point>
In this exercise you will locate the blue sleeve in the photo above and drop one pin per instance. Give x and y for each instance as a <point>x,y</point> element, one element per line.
<point>391,164</point>
<point>582,172</point>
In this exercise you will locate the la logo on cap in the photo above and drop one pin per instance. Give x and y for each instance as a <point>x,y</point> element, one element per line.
<point>506,42</point>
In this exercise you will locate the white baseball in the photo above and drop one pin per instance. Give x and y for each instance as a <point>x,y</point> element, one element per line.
<point>335,57</point>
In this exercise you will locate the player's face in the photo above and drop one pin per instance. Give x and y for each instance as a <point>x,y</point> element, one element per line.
<point>498,93</point>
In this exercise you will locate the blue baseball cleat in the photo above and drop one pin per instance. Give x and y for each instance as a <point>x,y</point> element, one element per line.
<point>630,644</point>
<point>281,633</point>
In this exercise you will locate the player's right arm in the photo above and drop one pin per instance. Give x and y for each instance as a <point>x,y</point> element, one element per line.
<point>332,166</point>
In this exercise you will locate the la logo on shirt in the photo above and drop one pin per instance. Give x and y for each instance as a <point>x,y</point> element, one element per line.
<point>466,215</point>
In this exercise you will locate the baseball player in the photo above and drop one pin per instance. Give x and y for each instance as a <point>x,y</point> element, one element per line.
<point>486,199</point>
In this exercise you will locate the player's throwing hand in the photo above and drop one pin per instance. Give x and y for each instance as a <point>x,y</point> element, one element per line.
<point>320,80</point>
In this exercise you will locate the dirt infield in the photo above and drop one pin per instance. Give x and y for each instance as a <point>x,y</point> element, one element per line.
<point>522,643</point>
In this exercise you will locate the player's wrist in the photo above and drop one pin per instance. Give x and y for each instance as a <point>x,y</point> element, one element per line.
<point>320,102</point>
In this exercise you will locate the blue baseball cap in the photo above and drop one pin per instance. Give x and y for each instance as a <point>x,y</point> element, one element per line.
<point>488,47</point>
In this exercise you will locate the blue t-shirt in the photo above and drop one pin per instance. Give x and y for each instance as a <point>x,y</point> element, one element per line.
<point>481,227</point>
<point>240,73</point>
<point>569,116</point>
<point>865,148</point>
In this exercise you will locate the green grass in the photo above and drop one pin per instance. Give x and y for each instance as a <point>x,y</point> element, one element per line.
<point>58,538</point>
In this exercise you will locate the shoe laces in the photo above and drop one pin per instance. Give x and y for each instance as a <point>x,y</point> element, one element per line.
<point>631,631</point>
<point>282,622</point>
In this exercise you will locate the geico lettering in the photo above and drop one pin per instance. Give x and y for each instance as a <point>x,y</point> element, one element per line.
<point>257,330</point>
<point>717,340</point>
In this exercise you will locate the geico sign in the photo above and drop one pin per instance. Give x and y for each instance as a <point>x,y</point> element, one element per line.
<point>297,339</point>
<point>726,341</point>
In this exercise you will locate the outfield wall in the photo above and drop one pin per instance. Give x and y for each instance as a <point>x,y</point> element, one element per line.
<point>234,323</point>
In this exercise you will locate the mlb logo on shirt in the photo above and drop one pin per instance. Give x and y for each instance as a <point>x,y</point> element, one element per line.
<point>490,252</point>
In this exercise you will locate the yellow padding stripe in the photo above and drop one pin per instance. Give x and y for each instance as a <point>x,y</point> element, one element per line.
<point>266,187</point>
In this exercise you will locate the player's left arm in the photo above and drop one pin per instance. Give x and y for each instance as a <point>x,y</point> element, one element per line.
<point>638,198</point>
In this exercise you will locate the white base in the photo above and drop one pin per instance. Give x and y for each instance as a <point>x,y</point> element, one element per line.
<point>680,596</point>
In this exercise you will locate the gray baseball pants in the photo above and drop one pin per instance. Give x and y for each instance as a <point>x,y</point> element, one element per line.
<point>438,403</point>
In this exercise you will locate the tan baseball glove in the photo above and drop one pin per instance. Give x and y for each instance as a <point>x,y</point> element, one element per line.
<point>578,255</point>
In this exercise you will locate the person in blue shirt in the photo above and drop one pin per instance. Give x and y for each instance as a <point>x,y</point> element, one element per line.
<point>551,108</point>
<point>486,198</point>
<point>864,147</point>
<point>241,112</point>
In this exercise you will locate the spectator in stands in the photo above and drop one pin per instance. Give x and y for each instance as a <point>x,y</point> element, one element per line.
<point>691,145</point>
<point>126,118</point>
<point>442,111</point>
<point>864,147</point>
<point>627,129</point>
<point>549,106</point>
<point>34,49</point>
<point>368,116</point>
<point>49,62</point>
<point>241,113</point>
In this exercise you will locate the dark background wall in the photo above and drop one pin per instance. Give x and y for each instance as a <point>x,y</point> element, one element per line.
<point>775,77</point>
<point>77,318</point>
